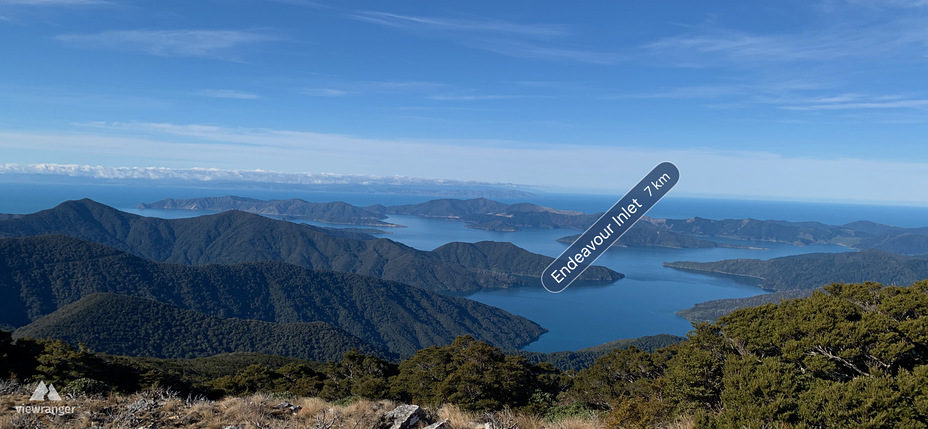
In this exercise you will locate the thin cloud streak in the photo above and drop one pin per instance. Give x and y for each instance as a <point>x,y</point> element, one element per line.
<point>55,2</point>
<point>227,93</point>
<point>713,47</point>
<point>532,50</point>
<point>339,89</point>
<point>452,97</point>
<point>217,44</point>
<point>212,175</point>
<point>882,4</point>
<point>303,3</point>
<point>690,92</point>
<point>531,41</point>
<point>324,92</point>
<point>493,26</point>
<point>900,104</point>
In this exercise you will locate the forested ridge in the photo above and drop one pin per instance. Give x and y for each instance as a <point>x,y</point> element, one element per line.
<point>796,276</point>
<point>38,275</point>
<point>124,325</point>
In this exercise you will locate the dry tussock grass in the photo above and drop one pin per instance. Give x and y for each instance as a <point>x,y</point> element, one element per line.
<point>165,409</point>
<point>507,419</point>
<point>457,418</point>
<point>535,422</point>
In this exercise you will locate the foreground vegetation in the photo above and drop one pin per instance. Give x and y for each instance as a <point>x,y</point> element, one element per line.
<point>164,408</point>
<point>856,356</point>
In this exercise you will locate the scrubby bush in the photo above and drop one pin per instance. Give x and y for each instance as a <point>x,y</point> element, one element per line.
<point>87,387</point>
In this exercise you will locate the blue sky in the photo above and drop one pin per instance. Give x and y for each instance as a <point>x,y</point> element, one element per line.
<point>803,100</point>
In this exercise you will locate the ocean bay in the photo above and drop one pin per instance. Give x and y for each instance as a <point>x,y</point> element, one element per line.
<point>642,303</point>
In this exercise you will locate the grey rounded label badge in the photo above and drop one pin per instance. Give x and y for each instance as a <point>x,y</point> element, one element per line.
<point>612,225</point>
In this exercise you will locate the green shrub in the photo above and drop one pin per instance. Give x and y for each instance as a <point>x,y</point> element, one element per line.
<point>87,387</point>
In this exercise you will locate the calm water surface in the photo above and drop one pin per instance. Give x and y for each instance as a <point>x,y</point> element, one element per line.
<point>642,303</point>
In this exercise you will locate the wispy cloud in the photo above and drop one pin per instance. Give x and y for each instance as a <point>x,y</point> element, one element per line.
<point>792,96</point>
<point>55,2</point>
<point>482,25</point>
<point>689,92</point>
<point>303,3</point>
<point>218,44</point>
<point>514,39</point>
<point>711,47</point>
<point>227,93</point>
<point>339,89</point>
<point>535,50</point>
<point>905,4</point>
<point>715,47</point>
<point>324,92</point>
<point>844,105</point>
<point>763,92</point>
<point>213,175</point>
<point>398,85</point>
<point>473,97</point>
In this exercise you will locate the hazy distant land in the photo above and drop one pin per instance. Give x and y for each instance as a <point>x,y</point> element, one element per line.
<point>482,213</point>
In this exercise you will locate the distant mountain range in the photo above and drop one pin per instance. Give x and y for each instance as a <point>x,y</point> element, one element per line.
<point>234,236</point>
<point>796,276</point>
<point>479,213</point>
<point>482,213</point>
<point>859,235</point>
<point>41,275</point>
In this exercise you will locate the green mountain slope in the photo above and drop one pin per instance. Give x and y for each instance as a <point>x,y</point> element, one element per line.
<point>813,270</point>
<point>796,276</point>
<point>125,325</point>
<point>234,236</point>
<point>710,311</point>
<point>39,275</point>
<point>859,235</point>
<point>583,358</point>
<point>799,233</point>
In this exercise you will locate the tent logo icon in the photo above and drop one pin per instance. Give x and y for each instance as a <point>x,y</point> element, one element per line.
<point>42,391</point>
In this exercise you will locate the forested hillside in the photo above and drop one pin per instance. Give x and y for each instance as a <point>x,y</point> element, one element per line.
<point>855,355</point>
<point>796,276</point>
<point>39,275</point>
<point>125,325</point>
